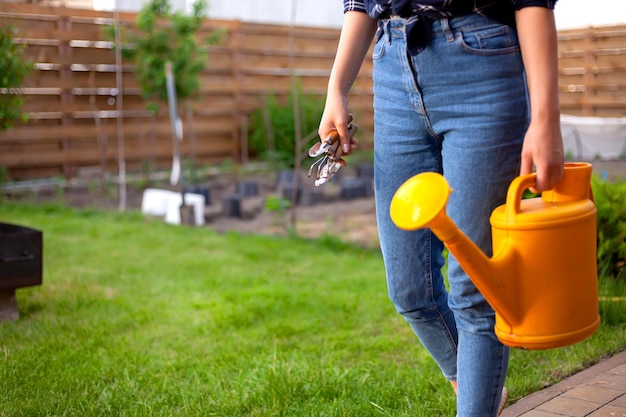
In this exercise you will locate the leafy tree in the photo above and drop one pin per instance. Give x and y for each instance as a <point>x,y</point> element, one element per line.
<point>13,71</point>
<point>161,36</point>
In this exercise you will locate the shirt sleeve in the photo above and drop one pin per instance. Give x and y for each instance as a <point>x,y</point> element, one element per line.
<point>354,6</point>
<point>520,4</point>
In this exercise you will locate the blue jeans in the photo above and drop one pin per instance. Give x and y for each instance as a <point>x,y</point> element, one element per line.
<point>459,108</point>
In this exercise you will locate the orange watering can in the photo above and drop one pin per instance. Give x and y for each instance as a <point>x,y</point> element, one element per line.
<point>542,278</point>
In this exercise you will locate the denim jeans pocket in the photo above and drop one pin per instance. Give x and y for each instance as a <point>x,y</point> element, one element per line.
<point>495,39</point>
<point>379,47</point>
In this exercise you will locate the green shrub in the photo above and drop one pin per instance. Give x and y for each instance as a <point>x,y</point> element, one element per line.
<point>610,200</point>
<point>13,71</point>
<point>279,113</point>
<point>276,204</point>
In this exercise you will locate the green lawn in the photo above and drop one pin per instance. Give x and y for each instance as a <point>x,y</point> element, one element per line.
<point>139,318</point>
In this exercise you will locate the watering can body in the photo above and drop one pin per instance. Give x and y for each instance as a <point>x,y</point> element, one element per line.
<point>542,278</point>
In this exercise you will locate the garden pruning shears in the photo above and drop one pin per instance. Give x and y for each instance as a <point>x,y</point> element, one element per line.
<point>331,153</point>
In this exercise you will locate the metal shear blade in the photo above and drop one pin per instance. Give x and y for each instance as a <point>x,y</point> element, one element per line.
<point>331,153</point>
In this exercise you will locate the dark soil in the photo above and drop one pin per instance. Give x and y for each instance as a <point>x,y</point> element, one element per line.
<point>323,210</point>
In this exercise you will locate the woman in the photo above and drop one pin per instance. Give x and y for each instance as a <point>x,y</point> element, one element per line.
<point>469,91</point>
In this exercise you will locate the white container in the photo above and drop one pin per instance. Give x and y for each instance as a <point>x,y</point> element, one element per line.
<point>154,201</point>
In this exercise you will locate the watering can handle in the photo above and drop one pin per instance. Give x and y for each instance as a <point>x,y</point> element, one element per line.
<point>516,191</point>
<point>574,186</point>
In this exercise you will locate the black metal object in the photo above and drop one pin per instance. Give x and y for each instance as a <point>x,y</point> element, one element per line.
<point>21,256</point>
<point>356,187</point>
<point>231,204</point>
<point>202,190</point>
<point>247,188</point>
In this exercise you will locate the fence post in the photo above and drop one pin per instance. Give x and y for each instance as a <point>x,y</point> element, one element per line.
<point>237,76</point>
<point>67,98</point>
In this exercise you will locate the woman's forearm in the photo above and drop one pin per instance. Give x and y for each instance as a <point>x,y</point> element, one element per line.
<point>538,40</point>
<point>356,37</point>
<point>543,143</point>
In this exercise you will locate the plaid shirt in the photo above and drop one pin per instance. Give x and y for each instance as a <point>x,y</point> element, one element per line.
<point>419,14</point>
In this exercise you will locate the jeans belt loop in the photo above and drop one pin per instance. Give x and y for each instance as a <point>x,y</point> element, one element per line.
<point>384,29</point>
<point>447,30</point>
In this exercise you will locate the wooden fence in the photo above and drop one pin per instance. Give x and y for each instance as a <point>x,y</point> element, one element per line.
<point>592,71</point>
<point>72,96</point>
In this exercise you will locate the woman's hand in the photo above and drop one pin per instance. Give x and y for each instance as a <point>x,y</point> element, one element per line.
<point>543,148</point>
<point>543,144</point>
<point>336,117</point>
<point>356,37</point>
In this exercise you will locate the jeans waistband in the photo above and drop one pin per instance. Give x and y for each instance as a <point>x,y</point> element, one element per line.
<point>394,26</point>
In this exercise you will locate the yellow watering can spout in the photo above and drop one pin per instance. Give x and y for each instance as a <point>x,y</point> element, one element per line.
<point>420,201</point>
<point>542,278</point>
